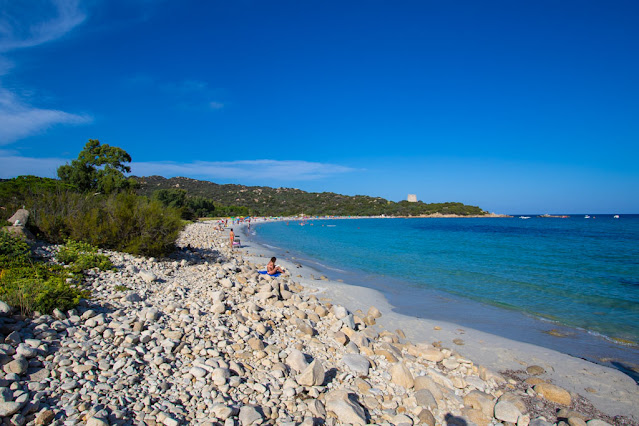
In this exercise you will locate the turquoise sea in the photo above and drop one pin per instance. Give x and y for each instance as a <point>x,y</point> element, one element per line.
<point>568,284</point>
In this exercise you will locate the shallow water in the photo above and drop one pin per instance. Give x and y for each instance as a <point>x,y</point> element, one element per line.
<point>576,278</point>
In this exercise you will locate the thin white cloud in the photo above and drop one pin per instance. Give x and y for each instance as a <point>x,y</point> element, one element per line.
<point>13,164</point>
<point>26,24</point>
<point>18,120</point>
<point>242,170</point>
<point>41,28</point>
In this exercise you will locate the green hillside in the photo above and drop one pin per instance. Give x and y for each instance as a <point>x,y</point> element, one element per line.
<point>266,201</point>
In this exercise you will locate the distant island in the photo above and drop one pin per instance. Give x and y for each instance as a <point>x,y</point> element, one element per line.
<point>267,201</point>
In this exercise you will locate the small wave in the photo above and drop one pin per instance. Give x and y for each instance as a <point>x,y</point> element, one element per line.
<point>330,267</point>
<point>270,246</point>
<point>616,340</point>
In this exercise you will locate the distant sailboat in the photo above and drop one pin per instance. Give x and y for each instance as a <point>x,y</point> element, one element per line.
<point>616,216</point>
<point>586,217</point>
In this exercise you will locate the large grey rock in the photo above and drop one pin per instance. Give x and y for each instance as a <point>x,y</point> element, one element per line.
<point>249,415</point>
<point>197,372</point>
<point>4,309</point>
<point>296,360</point>
<point>304,327</point>
<point>425,382</point>
<point>349,321</point>
<point>596,422</point>
<point>440,378</point>
<point>13,338</point>
<point>507,412</point>
<point>217,296</point>
<point>220,374</point>
<point>218,308</point>
<point>26,351</point>
<point>97,421</point>
<point>480,401</point>
<point>313,375</point>
<point>339,312</point>
<point>373,312</point>
<point>430,353</point>
<point>317,408</point>
<point>9,408</point>
<point>20,217</point>
<point>133,297</point>
<point>356,363</point>
<point>69,385</point>
<point>360,340</point>
<point>514,399</point>
<point>223,412</point>
<point>401,375</point>
<point>426,417</point>
<point>18,366</point>
<point>425,399</point>
<point>147,276</point>
<point>345,409</point>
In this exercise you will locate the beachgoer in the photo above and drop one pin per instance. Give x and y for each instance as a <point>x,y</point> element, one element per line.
<point>232,235</point>
<point>272,268</point>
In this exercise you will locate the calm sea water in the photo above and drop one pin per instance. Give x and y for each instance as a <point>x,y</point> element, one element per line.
<point>581,274</point>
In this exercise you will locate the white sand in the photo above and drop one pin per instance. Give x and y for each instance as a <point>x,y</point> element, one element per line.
<point>610,391</point>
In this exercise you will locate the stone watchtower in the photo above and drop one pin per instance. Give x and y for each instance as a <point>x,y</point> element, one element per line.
<point>412,198</point>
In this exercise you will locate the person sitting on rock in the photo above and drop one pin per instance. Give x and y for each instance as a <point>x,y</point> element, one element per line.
<point>272,268</point>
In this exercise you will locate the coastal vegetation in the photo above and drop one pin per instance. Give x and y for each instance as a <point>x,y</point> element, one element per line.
<point>95,203</point>
<point>195,206</point>
<point>29,284</point>
<point>265,201</point>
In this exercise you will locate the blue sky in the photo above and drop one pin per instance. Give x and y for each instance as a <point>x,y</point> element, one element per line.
<point>514,106</point>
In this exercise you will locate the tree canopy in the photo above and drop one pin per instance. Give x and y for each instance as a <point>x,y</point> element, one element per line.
<point>99,168</point>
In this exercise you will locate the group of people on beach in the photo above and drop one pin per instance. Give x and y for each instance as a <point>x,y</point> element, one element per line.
<point>271,267</point>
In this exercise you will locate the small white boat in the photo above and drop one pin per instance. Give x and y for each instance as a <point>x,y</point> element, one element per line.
<point>524,217</point>
<point>586,217</point>
<point>616,216</point>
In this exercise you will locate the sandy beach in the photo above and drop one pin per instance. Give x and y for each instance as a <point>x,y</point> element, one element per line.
<point>609,390</point>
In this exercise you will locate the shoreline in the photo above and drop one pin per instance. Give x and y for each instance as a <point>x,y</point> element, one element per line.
<point>610,390</point>
<point>202,338</point>
<point>513,324</point>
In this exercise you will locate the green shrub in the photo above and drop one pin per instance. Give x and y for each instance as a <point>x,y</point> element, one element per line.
<point>38,287</point>
<point>13,250</point>
<point>123,222</point>
<point>81,256</point>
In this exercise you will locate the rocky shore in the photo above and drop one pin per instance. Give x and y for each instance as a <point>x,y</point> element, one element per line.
<point>204,339</point>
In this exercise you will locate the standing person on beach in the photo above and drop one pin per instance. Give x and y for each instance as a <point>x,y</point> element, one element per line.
<point>232,235</point>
